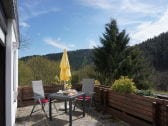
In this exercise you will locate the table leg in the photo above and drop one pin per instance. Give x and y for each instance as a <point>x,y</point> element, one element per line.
<point>84,105</point>
<point>70,112</point>
<point>50,109</point>
<point>65,105</point>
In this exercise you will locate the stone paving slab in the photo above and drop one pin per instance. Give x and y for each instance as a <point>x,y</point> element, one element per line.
<point>61,118</point>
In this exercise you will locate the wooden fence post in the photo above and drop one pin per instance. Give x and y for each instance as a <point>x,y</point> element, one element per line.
<point>101,97</point>
<point>156,118</point>
<point>105,100</point>
<point>19,98</point>
<point>166,115</point>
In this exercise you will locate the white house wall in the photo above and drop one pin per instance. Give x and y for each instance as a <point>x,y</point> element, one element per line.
<point>11,74</point>
<point>2,35</point>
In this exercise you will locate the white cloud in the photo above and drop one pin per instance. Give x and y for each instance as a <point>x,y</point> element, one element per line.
<point>24,24</point>
<point>42,12</point>
<point>55,43</point>
<point>136,7</point>
<point>31,8</point>
<point>58,44</point>
<point>150,29</point>
<point>92,44</point>
<point>103,4</point>
<point>59,39</point>
<point>123,6</point>
<point>142,19</point>
<point>71,45</point>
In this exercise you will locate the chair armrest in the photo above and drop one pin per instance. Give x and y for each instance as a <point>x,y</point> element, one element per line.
<point>37,97</point>
<point>46,94</point>
<point>91,93</point>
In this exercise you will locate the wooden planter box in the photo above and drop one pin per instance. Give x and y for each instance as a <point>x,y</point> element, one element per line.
<point>134,109</point>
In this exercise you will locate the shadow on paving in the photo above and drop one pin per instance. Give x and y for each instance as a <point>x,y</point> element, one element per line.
<point>92,118</point>
<point>39,120</point>
<point>33,118</point>
<point>54,122</point>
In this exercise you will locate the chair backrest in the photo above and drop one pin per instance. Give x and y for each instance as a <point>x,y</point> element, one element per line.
<point>88,86</point>
<point>38,88</point>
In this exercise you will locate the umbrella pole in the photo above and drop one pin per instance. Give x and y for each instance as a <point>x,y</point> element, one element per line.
<point>64,82</point>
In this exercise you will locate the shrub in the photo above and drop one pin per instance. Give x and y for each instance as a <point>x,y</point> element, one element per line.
<point>144,92</point>
<point>56,80</point>
<point>124,85</point>
<point>97,82</point>
<point>67,86</point>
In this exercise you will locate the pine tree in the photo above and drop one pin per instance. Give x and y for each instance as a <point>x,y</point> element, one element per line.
<point>135,66</point>
<point>115,58</point>
<point>107,57</point>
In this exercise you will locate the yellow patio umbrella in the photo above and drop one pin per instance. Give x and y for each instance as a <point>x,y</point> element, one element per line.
<point>65,72</point>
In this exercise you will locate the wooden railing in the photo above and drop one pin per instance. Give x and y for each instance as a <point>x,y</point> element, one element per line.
<point>25,93</point>
<point>134,109</point>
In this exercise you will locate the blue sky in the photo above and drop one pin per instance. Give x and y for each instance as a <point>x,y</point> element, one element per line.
<point>52,25</point>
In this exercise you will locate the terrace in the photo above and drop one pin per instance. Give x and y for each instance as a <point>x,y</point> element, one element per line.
<point>60,118</point>
<point>110,109</point>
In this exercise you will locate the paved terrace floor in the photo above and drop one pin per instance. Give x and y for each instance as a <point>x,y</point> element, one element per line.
<point>60,118</point>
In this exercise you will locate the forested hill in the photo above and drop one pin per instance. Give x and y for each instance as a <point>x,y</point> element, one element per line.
<point>77,58</point>
<point>156,50</point>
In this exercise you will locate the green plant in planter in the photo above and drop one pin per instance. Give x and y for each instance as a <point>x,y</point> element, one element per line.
<point>144,92</point>
<point>124,85</point>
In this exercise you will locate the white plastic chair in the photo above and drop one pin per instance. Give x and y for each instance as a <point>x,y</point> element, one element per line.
<point>39,96</point>
<point>88,89</point>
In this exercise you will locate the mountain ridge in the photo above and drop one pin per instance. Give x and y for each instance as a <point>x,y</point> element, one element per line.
<point>77,58</point>
<point>154,49</point>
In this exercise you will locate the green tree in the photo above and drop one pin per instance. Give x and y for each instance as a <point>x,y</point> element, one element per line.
<point>86,71</point>
<point>135,66</point>
<point>43,69</point>
<point>107,57</point>
<point>114,58</point>
<point>25,74</point>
